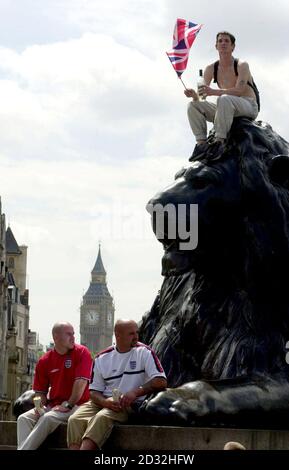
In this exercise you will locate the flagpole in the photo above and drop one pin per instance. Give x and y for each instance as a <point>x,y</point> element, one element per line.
<point>183,83</point>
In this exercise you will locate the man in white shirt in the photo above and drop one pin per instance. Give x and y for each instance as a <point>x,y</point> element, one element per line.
<point>123,375</point>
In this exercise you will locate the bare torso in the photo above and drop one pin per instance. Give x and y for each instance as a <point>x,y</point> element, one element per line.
<point>227,78</point>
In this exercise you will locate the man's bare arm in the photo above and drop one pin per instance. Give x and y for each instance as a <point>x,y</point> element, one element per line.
<point>208,74</point>
<point>77,391</point>
<point>154,385</point>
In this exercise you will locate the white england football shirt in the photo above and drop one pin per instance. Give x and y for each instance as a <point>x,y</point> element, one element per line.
<point>125,371</point>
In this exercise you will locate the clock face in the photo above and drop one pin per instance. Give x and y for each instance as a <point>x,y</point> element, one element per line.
<point>91,317</point>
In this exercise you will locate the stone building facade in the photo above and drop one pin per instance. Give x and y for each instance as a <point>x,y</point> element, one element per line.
<point>4,402</point>
<point>17,358</point>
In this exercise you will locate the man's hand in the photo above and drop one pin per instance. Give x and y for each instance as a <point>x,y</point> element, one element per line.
<point>128,398</point>
<point>190,93</point>
<point>40,412</point>
<point>112,405</point>
<point>37,414</point>
<point>61,408</point>
<point>205,91</point>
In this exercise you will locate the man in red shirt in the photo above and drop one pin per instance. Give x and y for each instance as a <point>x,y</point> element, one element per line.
<point>61,381</point>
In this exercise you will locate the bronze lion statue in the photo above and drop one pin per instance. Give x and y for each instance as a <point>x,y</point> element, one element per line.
<point>220,322</point>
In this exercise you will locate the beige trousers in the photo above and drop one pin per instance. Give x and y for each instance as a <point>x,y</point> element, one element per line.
<point>93,422</point>
<point>32,432</point>
<point>221,114</point>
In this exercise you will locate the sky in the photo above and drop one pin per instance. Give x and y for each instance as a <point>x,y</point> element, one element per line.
<point>93,123</point>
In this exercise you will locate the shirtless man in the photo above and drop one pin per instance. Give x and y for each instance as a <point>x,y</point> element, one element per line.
<point>236,97</point>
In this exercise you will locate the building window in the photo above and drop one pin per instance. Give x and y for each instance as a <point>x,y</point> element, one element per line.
<point>11,263</point>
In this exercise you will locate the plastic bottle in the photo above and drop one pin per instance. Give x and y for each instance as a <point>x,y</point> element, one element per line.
<point>38,405</point>
<point>201,82</point>
<point>116,394</point>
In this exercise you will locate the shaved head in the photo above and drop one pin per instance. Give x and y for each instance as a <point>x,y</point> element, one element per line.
<point>58,327</point>
<point>123,324</point>
<point>63,337</point>
<point>126,334</point>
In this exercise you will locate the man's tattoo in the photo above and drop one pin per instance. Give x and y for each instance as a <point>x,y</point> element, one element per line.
<point>242,82</point>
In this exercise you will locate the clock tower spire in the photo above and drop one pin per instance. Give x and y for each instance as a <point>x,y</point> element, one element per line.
<point>98,274</point>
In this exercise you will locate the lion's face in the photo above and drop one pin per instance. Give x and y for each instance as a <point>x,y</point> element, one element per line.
<point>236,201</point>
<point>215,189</point>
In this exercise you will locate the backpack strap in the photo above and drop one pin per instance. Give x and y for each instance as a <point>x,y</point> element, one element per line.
<point>256,91</point>
<point>236,66</point>
<point>216,65</point>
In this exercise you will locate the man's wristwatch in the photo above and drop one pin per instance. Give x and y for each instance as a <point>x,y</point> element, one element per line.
<point>66,404</point>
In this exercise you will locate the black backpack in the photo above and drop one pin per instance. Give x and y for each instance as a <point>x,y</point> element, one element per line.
<point>252,85</point>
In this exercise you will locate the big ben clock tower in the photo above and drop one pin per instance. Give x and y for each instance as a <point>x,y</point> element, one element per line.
<point>97,311</point>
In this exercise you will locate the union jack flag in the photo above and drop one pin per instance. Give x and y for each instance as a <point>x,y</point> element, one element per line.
<point>184,35</point>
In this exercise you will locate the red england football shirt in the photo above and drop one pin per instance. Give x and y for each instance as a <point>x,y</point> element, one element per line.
<point>55,373</point>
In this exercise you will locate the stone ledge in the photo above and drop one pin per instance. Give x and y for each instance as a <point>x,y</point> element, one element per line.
<point>136,437</point>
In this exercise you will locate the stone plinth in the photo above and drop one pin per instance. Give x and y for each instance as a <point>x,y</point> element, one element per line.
<point>136,437</point>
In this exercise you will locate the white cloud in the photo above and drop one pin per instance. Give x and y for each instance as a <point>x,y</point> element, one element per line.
<point>57,95</point>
